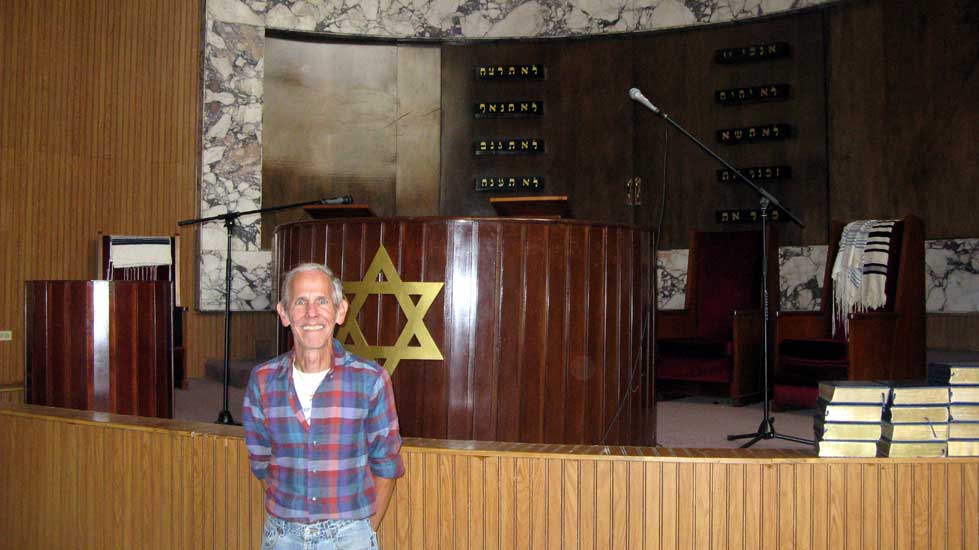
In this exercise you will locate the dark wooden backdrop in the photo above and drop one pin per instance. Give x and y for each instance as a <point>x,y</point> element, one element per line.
<point>677,72</point>
<point>586,127</point>
<point>883,102</point>
<point>597,139</point>
<point>541,323</point>
<point>100,345</point>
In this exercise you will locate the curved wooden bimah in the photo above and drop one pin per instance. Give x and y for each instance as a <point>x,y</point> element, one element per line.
<point>534,331</point>
<point>100,345</point>
<point>80,479</point>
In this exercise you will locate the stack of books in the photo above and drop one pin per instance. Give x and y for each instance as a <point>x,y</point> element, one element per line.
<point>849,419</point>
<point>963,383</point>
<point>915,420</point>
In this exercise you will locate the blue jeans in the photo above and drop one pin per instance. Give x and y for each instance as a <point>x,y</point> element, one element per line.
<point>339,534</point>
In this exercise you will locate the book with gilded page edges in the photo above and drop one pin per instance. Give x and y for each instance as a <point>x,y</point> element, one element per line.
<point>915,432</point>
<point>846,431</point>
<point>852,391</point>
<point>846,448</point>
<point>909,449</point>
<point>916,392</point>
<point>963,447</point>
<point>963,430</point>
<point>953,373</point>
<point>916,415</point>
<point>964,394</point>
<point>964,413</point>
<point>848,412</point>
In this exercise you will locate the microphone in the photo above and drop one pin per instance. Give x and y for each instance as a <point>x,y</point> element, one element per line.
<point>637,96</point>
<point>346,199</point>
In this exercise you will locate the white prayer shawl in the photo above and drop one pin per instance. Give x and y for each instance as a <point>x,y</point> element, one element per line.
<point>139,251</point>
<point>860,269</point>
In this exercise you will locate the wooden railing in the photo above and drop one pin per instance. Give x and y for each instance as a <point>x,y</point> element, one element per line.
<point>74,479</point>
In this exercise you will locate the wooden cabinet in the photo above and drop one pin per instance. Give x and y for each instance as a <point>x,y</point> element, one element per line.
<point>100,345</point>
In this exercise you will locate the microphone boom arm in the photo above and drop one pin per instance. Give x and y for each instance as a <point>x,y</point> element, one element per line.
<point>637,96</point>
<point>346,199</point>
<point>229,219</point>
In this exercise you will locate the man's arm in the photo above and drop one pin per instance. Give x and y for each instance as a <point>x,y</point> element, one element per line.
<point>256,433</point>
<point>384,487</point>
<point>384,446</point>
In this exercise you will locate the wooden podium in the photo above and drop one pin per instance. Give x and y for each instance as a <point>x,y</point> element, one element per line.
<point>100,345</point>
<point>544,326</point>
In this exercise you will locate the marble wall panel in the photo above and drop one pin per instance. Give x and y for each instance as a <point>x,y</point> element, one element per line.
<point>952,280</point>
<point>951,277</point>
<point>251,280</point>
<point>671,278</point>
<point>800,273</point>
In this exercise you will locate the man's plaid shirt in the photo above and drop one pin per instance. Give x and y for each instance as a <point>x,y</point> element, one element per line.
<point>322,469</point>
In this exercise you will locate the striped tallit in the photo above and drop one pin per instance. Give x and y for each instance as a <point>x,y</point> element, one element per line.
<point>860,269</point>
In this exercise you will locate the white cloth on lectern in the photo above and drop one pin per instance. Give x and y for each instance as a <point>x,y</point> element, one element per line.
<point>140,252</point>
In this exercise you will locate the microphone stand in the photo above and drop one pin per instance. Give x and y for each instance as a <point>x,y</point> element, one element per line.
<point>230,219</point>
<point>766,430</point>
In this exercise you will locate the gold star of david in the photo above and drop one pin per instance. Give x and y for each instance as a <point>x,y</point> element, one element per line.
<point>414,312</point>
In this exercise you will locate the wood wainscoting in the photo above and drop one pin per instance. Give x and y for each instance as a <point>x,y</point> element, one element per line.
<point>11,393</point>
<point>77,479</point>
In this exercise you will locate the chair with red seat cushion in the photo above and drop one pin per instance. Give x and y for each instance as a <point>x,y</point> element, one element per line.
<point>885,344</point>
<point>713,346</point>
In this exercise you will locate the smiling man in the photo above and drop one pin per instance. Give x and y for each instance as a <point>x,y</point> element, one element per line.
<point>321,427</point>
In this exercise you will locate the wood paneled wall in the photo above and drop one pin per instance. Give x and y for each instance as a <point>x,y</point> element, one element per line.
<point>883,99</point>
<point>11,393</point>
<point>677,71</point>
<point>903,92</point>
<point>72,479</point>
<point>99,131</point>
<point>586,124</point>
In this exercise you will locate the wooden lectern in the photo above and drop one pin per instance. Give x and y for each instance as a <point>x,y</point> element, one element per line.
<point>100,345</point>
<point>497,329</point>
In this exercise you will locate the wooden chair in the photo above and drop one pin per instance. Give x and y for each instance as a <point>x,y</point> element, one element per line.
<point>885,344</point>
<point>714,345</point>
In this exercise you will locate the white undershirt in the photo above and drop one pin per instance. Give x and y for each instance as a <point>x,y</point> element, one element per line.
<point>306,385</point>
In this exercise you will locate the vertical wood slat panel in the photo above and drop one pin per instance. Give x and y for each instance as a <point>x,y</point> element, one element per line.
<point>955,524</point>
<point>162,488</point>
<point>853,534</point>
<point>969,505</point>
<point>870,490</point>
<point>559,310</point>
<point>668,504</point>
<point>537,489</point>
<point>587,505</point>
<point>921,505</point>
<point>99,126</point>
<point>446,501</point>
